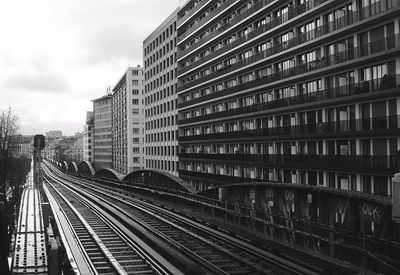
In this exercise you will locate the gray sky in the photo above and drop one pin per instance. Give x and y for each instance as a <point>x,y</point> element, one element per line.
<point>57,55</point>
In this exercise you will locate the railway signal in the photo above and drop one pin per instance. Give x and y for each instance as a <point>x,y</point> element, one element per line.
<point>38,142</point>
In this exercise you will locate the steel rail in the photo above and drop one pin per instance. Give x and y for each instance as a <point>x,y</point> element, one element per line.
<point>87,238</point>
<point>109,240</point>
<point>147,230</point>
<point>236,249</point>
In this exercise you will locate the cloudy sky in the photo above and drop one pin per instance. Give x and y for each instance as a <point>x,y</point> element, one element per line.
<point>57,55</point>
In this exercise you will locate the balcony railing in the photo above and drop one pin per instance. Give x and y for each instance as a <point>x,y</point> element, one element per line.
<point>273,23</point>
<point>191,12</point>
<point>338,23</point>
<point>205,19</point>
<point>331,93</point>
<point>348,127</point>
<point>325,61</point>
<point>217,177</point>
<point>386,164</point>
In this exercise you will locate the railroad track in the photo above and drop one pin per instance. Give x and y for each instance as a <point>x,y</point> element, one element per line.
<point>108,250</point>
<point>217,252</point>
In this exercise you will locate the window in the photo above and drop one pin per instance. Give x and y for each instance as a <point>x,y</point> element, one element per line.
<point>135,101</point>
<point>135,92</point>
<point>310,87</point>
<point>135,111</point>
<point>374,72</point>
<point>135,140</point>
<point>136,150</point>
<point>135,72</point>
<point>135,82</point>
<point>380,186</point>
<point>136,159</point>
<point>379,71</point>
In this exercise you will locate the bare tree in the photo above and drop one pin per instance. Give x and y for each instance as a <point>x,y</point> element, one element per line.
<point>9,127</point>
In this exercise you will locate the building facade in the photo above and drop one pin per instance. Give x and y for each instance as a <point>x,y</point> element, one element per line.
<point>65,149</point>
<point>160,71</point>
<point>128,122</point>
<point>87,133</point>
<point>76,149</point>
<point>53,138</point>
<point>49,151</point>
<point>102,132</point>
<point>23,146</point>
<point>54,134</point>
<point>298,91</point>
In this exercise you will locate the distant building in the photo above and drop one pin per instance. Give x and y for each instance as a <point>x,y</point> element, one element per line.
<point>88,151</point>
<point>56,134</point>
<point>49,150</point>
<point>128,122</point>
<point>23,146</point>
<point>102,132</point>
<point>77,148</point>
<point>161,119</point>
<point>52,139</point>
<point>66,148</point>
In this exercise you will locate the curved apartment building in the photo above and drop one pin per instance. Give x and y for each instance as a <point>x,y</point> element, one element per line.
<point>293,91</point>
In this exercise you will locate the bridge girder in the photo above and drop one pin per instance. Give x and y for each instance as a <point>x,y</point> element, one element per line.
<point>108,173</point>
<point>154,177</point>
<point>86,168</point>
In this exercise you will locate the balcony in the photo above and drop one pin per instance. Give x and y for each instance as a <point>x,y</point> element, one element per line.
<point>191,12</point>
<point>362,87</point>
<point>293,12</point>
<point>377,46</point>
<point>212,14</point>
<point>353,127</point>
<point>321,63</point>
<point>216,177</point>
<point>339,23</point>
<point>351,163</point>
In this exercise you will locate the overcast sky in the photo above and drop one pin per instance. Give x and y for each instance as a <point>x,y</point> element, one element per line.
<point>57,55</point>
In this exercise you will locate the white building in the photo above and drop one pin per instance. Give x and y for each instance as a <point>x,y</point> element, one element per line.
<point>161,115</point>
<point>88,138</point>
<point>128,122</point>
<point>102,132</point>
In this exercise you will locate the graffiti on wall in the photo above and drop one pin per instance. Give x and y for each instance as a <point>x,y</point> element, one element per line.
<point>371,212</point>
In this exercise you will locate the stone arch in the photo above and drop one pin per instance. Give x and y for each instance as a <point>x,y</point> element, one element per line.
<point>158,178</point>
<point>86,168</point>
